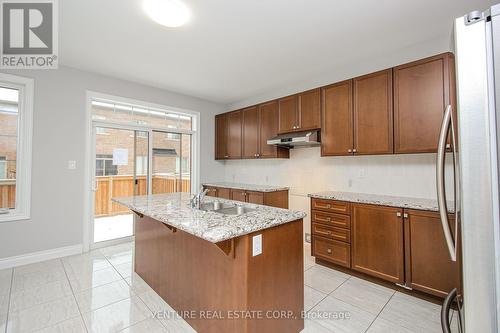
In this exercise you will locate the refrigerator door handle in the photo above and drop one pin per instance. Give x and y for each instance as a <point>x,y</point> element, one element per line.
<point>440,180</point>
<point>445,311</point>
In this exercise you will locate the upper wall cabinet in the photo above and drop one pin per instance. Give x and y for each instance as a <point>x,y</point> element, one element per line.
<point>373,126</point>
<point>422,91</point>
<point>251,132</point>
<point>221,136</point>
<point>234,135</point>
<point>268,128</point>
<point>336,123</point>
<point>300,112</point>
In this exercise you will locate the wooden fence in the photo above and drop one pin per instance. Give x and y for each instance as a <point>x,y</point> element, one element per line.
<point>7,193</point>
<point>122,186</point>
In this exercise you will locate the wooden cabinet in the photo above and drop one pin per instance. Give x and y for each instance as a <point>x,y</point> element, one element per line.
<point>337,123</point>
<point>377,241</point>
<point>269,127</point>
<point>373,125</point>
<point>219,192</point>
<point>422,91</point>
<point>288,114</point>
<point>251,132</point>
<point>428,264</point>
<point>309,110</point>
<point>300,112</point>
<point>234,135</point>
<point>277,199</point>
<point>221,136</point>
<point>330,228</point>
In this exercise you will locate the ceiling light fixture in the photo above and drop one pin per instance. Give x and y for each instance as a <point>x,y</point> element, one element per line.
<point>170,13</point>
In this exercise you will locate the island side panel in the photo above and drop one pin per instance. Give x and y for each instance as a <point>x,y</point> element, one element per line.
<point>193,275</point>
<point>276,279</point>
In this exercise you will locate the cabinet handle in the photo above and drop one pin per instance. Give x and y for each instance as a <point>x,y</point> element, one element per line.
<point>325,220</point>
<point>398,214</point>
<point>405,215</point>
<point>355,150</point>
<point>349,150</point>
<point>329,251</point>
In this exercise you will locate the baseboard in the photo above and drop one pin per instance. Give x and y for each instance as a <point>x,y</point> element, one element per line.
<point>34,257</point>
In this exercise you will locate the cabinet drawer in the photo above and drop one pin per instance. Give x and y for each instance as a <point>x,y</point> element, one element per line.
<point>334,206</point>
<point>332,250</point>
<point>336,220</point>
<point>340,234</point>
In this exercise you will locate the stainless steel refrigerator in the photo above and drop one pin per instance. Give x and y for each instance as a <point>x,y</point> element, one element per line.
<point>474,305</point>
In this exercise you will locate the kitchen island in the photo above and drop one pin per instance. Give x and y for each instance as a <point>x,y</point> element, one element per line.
<point>222,271</point>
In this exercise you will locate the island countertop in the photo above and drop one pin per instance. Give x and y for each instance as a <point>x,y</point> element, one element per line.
<point>174,209</point>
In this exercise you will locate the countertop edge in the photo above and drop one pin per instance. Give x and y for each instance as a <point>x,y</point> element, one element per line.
<point>248,187</point>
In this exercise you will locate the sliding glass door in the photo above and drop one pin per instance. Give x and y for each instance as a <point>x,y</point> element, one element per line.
<point>121,170</point>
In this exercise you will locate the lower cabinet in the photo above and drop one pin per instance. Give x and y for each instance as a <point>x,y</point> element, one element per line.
<point>403,246</point>
<point>428,265</point>
<point>378,242</point>
<point>277,199</point>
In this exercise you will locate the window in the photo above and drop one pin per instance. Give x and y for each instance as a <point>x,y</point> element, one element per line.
<point>104,166</point>
<point>16,113</point>
<point>141,165</point>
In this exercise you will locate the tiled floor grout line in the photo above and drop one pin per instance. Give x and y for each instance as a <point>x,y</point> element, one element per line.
<point>8,302</point>
<point>74,296</point>
<point>368,328</point>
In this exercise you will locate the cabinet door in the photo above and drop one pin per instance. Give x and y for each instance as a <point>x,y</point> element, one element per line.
<point>234,135</point>
<point>309,109</point>
<point>337,125</point>
<point>377,241</point>
<point>224,193</point>
<point>239,195</point>
<point>288,113</point>
<point>221,136</point>
<point>373,127</point>
<point>421,95</point>
<point>268,128</point>
<point>255,198</point>
<point>428,264</point>
<point>250,124</point>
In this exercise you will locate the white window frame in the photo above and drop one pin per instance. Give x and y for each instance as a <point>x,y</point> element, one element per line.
<point>25,86</point>
<point>90,165</point>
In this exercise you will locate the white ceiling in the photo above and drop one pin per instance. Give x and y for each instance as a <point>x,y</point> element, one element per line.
<point>232,50</point>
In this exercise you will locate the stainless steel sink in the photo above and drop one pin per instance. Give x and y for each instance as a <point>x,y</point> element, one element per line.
<point>227,209</point>
<point>214,206</point>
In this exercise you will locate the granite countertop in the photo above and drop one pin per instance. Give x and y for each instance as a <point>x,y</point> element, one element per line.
<point>248,187</point>
<point>174,209</point>
<point>383,200</point>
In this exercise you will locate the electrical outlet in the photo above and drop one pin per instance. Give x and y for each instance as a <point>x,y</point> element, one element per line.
<point>71,165</point>
<point>308,237</point>
<point>349,183</point>
<point>257,245</point>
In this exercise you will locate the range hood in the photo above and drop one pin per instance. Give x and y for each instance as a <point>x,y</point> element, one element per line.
<point>296,139</point>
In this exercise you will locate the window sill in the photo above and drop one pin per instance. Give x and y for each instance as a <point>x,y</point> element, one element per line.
<point>14,216</point>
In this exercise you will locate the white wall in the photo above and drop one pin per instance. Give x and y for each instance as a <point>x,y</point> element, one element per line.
<point>306,172</point>
<point>59,135</point>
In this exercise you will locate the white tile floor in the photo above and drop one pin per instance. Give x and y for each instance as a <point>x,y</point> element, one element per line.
<point>98,292</point>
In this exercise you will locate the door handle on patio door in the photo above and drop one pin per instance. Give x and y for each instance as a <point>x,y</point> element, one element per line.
<point>440,181</point>
<point>95,185</point>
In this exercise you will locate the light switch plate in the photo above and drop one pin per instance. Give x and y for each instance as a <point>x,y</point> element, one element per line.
<point>257,245</point>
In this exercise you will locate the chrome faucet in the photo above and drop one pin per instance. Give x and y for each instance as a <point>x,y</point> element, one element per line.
<point>197,199</point>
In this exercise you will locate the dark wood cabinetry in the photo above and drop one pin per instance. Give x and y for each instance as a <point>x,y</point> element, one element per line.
<point>268,128</point>
<point>428,265</point>
<point>337,125</point>
<point>251,132</point>
<point>300,112</point>
<point>422,91</point>
<point>234,135</point>
<point>277,199</point>
<point>373,126</point>
<point>377,241</point>
<point>221,136</point>
<point>403,246</point>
